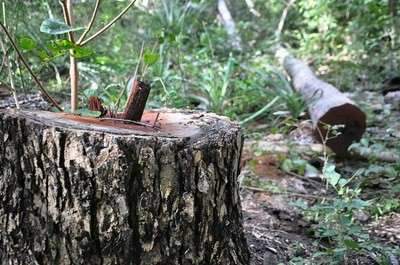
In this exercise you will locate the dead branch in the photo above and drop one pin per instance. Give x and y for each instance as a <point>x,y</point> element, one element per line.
<point>90,25</point>
<point>106,27</point>
<point>42,89</point>
<point>229,24</point>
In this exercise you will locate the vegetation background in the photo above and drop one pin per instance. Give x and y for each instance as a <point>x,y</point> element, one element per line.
<point>192,62</point>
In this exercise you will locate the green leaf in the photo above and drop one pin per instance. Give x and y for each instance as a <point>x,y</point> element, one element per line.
<point>287,165</point>
<point>150,58</point>
<point>82,52</point>
<point>44,56</point>
<point>55,27</point>
<point>64,44</point>
<point>27,43</point>
<point>60,47</point>
<point>331,175</point>
<point>351,244</point>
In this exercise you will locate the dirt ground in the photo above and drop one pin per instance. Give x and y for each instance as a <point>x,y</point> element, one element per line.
<point>276,230</point>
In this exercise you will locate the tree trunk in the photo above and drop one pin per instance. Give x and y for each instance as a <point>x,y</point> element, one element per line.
<point>77,190</point>
<point>327,106</point>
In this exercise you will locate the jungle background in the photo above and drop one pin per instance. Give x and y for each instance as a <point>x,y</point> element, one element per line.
<point>301,205</point>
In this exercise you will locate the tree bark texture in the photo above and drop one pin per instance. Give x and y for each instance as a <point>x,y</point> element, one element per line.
<point>327,106</point>
<point>83,191</point>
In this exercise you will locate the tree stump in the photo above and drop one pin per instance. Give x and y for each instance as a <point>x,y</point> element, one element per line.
<point>77,190</point>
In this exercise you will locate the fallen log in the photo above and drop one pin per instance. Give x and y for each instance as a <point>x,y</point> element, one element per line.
<point>80,190</point>
<point>327,106</point>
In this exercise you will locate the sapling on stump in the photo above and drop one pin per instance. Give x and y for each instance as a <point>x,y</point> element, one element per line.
<point>327,106</point>
<point>82,190</point>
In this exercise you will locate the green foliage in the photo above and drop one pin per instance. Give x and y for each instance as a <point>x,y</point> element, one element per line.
<point>190,64</point>
<point>336,223</point>
<point>150,58</point>
<point>27,43</point>
<point>385,206</point>
<point>298,166</point>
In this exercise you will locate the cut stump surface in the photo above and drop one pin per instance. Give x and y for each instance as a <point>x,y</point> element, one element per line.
<point>77,190</point>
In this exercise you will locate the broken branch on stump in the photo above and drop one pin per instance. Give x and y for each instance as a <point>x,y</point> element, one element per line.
<point>327,106</point>
<point>136,101</point>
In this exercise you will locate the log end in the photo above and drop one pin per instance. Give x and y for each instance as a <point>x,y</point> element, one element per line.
<point>350,122</point>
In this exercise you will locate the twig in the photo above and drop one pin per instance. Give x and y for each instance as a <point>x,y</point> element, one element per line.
<point>21,76</point>
<point>281,24</point>
<point>229,24</point>
<point>252,10</point>
<point>108,25</point>
<point>310,181</point>
<point>129,121</point>
<point>42,89</point>
<point>89,27</point>
<point>10,77</point>
<point>155,121</point>
<point>67,18</point>
<point>132,79</point>
<point>3,62</point>
<point>302,195</point>
<point>73,66</point>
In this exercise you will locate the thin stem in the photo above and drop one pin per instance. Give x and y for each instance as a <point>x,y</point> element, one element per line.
<point>10,77</point>
<point>146,66</point>
<point>133,78</point>
<point>42,89</point>
<point>3,5</point>
<point>21,76</point>
<point>282,21</point>
<point>73,65</point>
<point>3,62</point>
<point>108,25</point>
<point>66,8</point>
<point>156,119</point>
<point>89,27</point>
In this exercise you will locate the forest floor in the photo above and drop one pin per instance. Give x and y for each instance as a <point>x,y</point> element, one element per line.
<point>277,231</point>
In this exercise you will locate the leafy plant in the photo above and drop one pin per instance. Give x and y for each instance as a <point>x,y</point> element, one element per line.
<point>335,223</point>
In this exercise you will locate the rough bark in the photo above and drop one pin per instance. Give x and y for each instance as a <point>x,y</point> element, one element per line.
<point>327,106</point>
<point>84,191</point>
